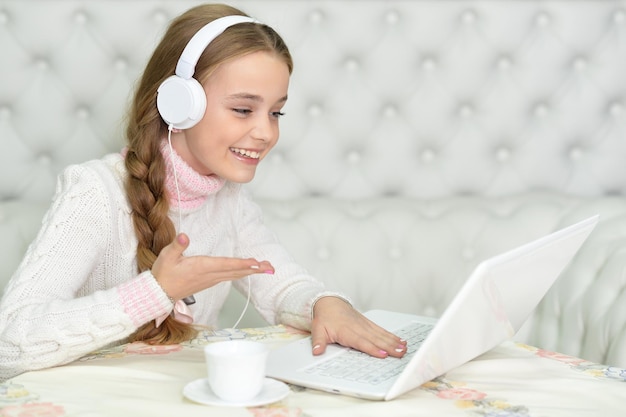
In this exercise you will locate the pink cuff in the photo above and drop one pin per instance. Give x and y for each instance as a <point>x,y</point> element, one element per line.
<point>143,300</point>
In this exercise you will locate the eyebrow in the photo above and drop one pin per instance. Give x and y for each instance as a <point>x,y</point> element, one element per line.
<point>254,97</point>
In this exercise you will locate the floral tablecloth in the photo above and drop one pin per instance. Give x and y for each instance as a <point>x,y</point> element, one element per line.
<point>512,380</point>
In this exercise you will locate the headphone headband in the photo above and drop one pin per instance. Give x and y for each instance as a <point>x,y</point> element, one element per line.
<point>191,54</point>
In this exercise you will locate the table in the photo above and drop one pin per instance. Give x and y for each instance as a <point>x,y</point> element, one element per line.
<point>512,380</point>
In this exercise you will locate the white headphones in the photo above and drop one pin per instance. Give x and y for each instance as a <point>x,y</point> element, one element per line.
<point>181,100</point>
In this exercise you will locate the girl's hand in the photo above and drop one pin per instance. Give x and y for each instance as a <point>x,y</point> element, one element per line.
<point>335,321</point>
<point>181,276</point>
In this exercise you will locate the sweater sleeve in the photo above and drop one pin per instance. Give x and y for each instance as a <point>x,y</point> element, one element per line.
<point>43,322</point>
<point>289,295</point>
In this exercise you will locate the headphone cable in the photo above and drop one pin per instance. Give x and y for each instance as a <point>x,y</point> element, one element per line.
<point>191,299</point>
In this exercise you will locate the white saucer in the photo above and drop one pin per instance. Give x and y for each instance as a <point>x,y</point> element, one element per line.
<point>200,392</point>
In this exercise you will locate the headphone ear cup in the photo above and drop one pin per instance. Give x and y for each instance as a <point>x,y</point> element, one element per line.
<point>180,102</point>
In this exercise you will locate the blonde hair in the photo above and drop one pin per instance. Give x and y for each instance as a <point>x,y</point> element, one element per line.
<point>145,183</point>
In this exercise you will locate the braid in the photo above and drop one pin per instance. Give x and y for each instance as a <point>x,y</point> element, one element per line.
<point>145,188</point>
<point>149,204</point>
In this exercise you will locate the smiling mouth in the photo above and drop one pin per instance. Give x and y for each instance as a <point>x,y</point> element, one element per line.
<point>246,153</point>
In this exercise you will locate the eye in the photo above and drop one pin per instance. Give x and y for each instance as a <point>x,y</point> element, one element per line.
<point>277,114</point>
<point>243,112</point>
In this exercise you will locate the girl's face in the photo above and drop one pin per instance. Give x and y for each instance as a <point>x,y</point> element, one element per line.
<point>240,126</point>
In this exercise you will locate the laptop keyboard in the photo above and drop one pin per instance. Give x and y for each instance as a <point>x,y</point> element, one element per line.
<point>353,365</point>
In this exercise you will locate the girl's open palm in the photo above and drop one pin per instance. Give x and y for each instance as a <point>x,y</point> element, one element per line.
<point>181,276</point>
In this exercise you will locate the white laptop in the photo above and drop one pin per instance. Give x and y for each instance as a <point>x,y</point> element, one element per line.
<point>490,308</point>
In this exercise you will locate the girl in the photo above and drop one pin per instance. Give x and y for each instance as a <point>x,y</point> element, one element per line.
<point>130,236</point>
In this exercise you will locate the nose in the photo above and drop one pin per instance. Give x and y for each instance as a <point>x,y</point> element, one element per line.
<point>265,129</point>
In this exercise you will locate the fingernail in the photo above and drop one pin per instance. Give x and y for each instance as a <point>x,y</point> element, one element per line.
<point>316,347</point>
<point>383,352</point>
<point>399,350</point>
<point>269,271</point>
<point>254,267</point>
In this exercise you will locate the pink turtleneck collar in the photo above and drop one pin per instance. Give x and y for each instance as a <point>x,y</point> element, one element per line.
<point>194,187</point>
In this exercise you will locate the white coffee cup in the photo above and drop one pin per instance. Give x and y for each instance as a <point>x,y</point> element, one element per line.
<point>236,368</point>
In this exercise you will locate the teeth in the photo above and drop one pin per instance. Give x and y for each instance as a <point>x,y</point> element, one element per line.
<point>244,152</point>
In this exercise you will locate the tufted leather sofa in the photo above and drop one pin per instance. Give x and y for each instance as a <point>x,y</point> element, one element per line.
<point>421,137</point>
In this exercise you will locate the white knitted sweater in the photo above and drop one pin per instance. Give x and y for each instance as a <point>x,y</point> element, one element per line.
<point>77,288</point>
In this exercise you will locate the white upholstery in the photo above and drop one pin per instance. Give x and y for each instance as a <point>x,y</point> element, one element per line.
<point>421,136</point>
